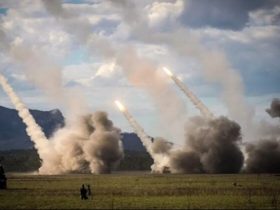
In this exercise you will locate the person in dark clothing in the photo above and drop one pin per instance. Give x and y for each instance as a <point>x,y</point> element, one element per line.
<point>83,192</point>
<point>2,169</point>
<point>3,178</point>
<point>89,190</point>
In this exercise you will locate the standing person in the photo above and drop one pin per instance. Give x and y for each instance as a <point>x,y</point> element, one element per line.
<point>89,191</point>
<point>3,178</point>
<point>83,192</point>
<point>1,169</point>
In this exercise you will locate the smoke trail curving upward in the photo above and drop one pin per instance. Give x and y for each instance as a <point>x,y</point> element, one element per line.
<point>33,130</point>
<point>146,140</point>
<point>195,100</point>
<point>157,148</point>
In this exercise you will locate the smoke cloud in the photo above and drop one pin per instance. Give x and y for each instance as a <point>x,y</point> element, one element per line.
<point>161,149</point>
<point>185,162</point>
<point>264,155</point>
<point>274,110</point>
<point>214,146</point>
<point>211,147</point>
<point>91,144</point>
<point>161,146</point>
<point>39,69</point>
<point>170,106</point>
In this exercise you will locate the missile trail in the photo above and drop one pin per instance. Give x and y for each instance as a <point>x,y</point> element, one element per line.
<point>33,130</point>
<point>161,160</point>
<point>146,140</point>
<point>194,99</point>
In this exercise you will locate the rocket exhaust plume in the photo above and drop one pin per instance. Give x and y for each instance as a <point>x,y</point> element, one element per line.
<point>197,103</point>
<point>33,130</point>
<point>146,140</point>
<point>120,106</point>
<point>158,148</point>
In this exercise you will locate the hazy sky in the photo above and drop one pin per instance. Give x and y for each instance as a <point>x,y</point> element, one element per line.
<point>247,32</point>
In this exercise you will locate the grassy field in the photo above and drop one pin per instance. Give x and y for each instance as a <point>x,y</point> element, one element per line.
<point>142,191</point>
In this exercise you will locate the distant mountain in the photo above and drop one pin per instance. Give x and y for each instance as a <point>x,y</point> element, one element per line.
<point>13,135</point>
<point>12,129</point>
<point>131,142</point>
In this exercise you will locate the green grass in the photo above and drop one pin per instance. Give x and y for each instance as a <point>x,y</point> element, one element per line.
<point>142,191</point>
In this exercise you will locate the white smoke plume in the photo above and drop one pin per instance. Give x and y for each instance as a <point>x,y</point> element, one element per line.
<point>216,69</point>
<point>146,140</point>
<point>33,130</point>
<point>39,69</point>
<point>195,100</point>
<point>157,148</point>
<point>143,73</point>
<point>90,145</point>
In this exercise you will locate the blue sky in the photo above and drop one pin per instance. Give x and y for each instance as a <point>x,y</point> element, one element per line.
<point>246,33</point>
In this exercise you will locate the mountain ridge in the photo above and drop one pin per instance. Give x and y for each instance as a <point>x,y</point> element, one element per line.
<point>13,135</point>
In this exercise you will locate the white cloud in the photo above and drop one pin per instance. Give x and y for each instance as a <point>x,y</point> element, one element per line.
<point>121,33</point>
<point>262,17</point>
<point>39,32</point>
<point>159,12</point>
<point>18,76</point>
<point>93,74</point>
<point>81,73</point>
<point>106,70</point>
<point>249,35</point>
